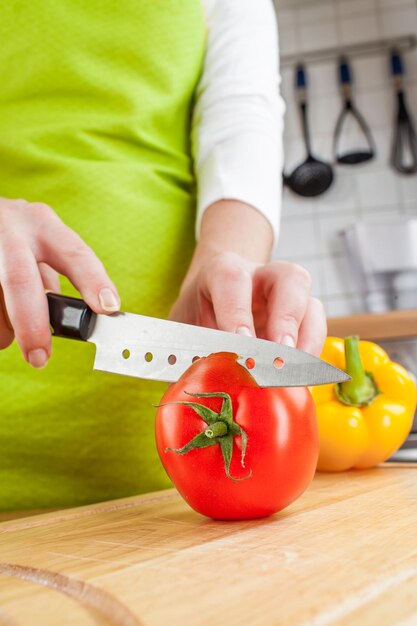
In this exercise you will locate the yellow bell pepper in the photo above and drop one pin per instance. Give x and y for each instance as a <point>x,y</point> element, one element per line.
<point>363,421</point>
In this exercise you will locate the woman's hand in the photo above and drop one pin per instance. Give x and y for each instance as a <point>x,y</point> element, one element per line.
<point>270,301</point>
<point>239,291</point>
<point>36,246</point>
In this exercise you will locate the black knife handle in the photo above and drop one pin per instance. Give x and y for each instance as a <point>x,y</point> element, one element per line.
<point>70,317</point>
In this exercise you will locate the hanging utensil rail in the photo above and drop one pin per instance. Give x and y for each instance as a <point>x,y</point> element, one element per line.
<point>367,48</point>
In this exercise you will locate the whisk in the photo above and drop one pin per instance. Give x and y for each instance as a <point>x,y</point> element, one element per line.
<point>404,145</point>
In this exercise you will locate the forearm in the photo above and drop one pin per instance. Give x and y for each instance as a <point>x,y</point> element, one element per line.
<point>237,133</point>
<point>232,226</point>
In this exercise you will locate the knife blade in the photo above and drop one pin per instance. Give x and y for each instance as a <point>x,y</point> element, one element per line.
<point>157,349</point>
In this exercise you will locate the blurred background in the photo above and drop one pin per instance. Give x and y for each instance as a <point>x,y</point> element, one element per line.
<point>358,238</point>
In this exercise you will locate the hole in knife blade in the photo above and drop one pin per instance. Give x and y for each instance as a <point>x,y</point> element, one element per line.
<point>148,357</point>
<point>172,359</point>
<point>126,353</point>
<point>250,363</point>
<point>278,363</point>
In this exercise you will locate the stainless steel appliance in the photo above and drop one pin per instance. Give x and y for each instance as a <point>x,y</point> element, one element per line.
<point>382,263</point>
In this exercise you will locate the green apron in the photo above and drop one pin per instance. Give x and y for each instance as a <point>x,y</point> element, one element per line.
<point>95,106</point>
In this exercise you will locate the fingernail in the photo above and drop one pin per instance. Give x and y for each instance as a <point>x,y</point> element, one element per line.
<point>108,300</point>
<point>38,358</point>
<point>244,330</point>
<point>287,340</point>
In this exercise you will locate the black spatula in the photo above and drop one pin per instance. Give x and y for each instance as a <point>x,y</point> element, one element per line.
<point>349,110</point>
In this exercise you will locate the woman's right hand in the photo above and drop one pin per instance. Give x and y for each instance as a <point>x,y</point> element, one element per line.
<point>35,247</point>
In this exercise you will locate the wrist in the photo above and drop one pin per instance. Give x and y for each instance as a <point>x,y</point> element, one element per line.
<point>231,226</point>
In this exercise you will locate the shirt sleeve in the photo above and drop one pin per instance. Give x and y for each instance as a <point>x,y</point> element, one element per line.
<point>238,117</point>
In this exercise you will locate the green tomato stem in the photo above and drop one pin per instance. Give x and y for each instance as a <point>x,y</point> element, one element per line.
<point>221,430</point>
<point>218,429</point>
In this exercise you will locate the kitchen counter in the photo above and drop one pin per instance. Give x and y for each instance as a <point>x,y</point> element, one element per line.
<point>343,553</point>
<point>376,326</point>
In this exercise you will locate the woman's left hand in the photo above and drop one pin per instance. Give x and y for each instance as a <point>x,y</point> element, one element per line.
<point>271,301</point>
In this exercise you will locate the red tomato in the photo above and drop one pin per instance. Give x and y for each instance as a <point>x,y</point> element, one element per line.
<point>280,428</point>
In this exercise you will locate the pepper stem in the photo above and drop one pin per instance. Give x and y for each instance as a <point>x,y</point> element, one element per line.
<point>361,390</point>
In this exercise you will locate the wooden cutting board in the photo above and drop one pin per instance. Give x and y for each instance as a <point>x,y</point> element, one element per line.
<point>344,554</point>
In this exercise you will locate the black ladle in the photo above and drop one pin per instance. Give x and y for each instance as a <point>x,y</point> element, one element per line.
<point>313,176</point>
<point>404,147</point>
<point>349,109</point>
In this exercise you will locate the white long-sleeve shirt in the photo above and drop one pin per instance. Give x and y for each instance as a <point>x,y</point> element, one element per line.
<point>238,117</point>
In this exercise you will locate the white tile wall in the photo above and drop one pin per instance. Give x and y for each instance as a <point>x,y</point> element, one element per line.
<point>371,191</point>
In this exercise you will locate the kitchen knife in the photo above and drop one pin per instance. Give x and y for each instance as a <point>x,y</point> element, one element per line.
<point>147,347</point>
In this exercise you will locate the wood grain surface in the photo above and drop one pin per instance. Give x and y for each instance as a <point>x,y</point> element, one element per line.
<point>344,554</point>
<point>375,326</point>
